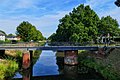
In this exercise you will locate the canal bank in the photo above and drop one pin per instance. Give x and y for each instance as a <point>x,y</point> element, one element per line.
<point>108,66</point>
<point>11,62</point>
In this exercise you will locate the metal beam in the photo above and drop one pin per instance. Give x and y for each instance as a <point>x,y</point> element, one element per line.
<point>50,48</point>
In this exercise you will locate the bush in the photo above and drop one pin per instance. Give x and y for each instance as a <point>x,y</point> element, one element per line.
<point>106,70</point>
<point>8,68</point>
<point>2,70</point>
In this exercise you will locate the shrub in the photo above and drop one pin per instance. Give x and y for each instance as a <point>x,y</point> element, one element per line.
<point>8,68</point>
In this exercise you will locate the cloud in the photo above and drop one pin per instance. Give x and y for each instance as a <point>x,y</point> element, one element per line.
<point>101,6</point>
<point>24,4</point>
<point>105,8</point>
<point>45,14</point>
<point>47,24</point>
<point>8,25</point>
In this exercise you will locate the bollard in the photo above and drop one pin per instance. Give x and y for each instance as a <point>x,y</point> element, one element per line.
<point>71,57</point>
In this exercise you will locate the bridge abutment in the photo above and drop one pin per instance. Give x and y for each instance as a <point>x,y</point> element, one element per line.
<point>2,52</point>
<point>71,57</point>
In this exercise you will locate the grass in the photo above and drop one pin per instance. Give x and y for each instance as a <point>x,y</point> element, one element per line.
<point>105,67</point>
<point>7,68</point>
<point>10,64</point>
<point>11,61</point>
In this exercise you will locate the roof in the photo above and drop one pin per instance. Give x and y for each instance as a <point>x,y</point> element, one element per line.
<point>2,34</point>
<point>11,37</point>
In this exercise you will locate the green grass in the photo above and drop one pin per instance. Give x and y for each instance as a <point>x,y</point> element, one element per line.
<point>106,70</point>
<point>8,68</point>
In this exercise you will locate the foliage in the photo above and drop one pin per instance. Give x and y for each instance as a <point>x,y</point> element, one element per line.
<point>7,68</point>
<point>36,55</point>
<point>2,71</point>
<point>83,25</point>
<point>9,35</point>
<point>106,71</point>
<point>80,25</point>
<point>1,41</point>
<point>52,37</point>
<point>117,3</point>
<point>18,53</point>
<point>3,32</point>
<point>6,41</point>
<point>107,25</point>
<point>28,32</point>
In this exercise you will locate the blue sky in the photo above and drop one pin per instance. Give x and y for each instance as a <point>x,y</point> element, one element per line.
<point>45,14</point>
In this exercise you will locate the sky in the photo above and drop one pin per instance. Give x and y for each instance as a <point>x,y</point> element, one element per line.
<point>45,14</point>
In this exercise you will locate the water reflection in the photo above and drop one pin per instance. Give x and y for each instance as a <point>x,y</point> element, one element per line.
<point>27,74</point>
<point>70,72</point>
<point>50,66</point>
<point>46,64</point>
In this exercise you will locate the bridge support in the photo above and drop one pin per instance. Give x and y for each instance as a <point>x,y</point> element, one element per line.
<point>71,57</point>
<point>26,60</point>
<point>2,52</point>
<point>31,59</point>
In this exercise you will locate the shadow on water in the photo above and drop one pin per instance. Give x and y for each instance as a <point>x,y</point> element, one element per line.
<point>46,70</point>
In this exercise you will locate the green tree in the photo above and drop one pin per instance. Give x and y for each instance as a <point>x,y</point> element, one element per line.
<point>51,37</point>
<point>9,35</point>
<point>74,38</point>
<point>80,24</point>
<point>28,32</point>
<point>3,32</point>
<point>109,25</point>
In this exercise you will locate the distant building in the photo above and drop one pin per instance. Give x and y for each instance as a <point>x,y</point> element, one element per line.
<point>18,38</point>
<point>13,38</point>
<point>2,36</point>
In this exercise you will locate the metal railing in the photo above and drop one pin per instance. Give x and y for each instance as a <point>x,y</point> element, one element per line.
<point>69,44</point>
<point>21,44</point>
<point>36,44</point>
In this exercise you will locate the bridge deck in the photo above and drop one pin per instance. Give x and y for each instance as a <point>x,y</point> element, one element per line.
<point>8,47</point>
<point>50,48</point>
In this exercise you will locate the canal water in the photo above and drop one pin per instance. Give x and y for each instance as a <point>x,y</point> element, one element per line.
<point>50,66</point>
<point>46,64</point>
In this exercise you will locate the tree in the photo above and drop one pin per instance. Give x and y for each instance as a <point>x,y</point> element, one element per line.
<point>74,38</point>
<point>117,3</point>
<point>28,32</point>
<point>108,25</point>
<point>80,25</point>
<point>51,37</point>
<point>3,32</point>
<point>9,35</point>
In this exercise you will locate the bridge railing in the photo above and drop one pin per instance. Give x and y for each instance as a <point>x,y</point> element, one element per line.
<point>23,44</point>
<point>36,44</point>
<point>69,44</point>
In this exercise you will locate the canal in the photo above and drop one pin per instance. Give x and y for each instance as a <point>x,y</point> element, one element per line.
<point>50,66</point>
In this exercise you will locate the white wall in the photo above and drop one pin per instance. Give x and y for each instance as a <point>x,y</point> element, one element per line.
<point>12,38</point>
<point>2,38</point>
